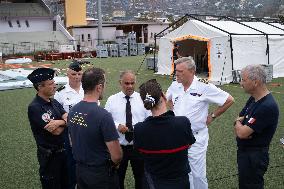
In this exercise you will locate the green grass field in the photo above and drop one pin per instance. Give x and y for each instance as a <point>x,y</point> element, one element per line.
<point>18,163</point>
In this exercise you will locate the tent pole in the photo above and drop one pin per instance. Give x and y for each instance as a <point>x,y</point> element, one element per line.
<point>232,54</point>
<point>267,49</point>
<point>155,46</point>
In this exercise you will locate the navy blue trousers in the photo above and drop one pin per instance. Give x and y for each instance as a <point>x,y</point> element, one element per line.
<point>252,165</point>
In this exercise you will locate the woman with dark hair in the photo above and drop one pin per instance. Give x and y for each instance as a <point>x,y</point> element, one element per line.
<point>163,139</point>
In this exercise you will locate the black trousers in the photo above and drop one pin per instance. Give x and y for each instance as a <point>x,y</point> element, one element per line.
<point>71,163</point>
<point>52,169</point>
<point>252,165</point>
<point>163,183</point>
<point>96,177</point>
<point>137,164</point>
<point>174,72</point>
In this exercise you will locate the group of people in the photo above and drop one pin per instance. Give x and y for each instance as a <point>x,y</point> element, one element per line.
<point>163,136</point>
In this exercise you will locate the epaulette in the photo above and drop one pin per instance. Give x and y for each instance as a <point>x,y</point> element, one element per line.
<point>203,80</point>
<point>60,88</point>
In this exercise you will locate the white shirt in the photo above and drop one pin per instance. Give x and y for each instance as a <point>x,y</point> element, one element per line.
<point>194,102</point>
<point>116,105</point>
<point>68,97</point>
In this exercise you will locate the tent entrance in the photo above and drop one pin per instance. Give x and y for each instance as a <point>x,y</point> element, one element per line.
<point>198,50</point>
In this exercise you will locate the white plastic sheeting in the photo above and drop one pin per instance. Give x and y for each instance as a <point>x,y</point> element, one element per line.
<point>18,61</point>
<point>249,47</point>
<point>17,78</point>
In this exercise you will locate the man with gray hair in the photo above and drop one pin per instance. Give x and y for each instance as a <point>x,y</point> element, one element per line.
<point>254,128</point>
<point>190,97</point>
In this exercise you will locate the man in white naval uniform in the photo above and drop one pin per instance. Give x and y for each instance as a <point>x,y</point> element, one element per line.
<point>190,97</point>
<point>117,106</point>
<point>69,95</point>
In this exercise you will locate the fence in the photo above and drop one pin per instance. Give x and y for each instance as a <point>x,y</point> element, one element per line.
<point>28,47</point>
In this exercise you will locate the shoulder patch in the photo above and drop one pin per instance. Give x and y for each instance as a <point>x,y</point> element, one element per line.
<point>203,80</point>
<point>60,88</point>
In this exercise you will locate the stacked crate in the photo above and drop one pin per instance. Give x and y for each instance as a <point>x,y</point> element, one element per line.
<point>140,48</point>
<point>102,51</point>
<point>151,64</point>
<point>132,45</point>
<point>269,72</point>
<point>122,42</point>
<point>113,50</point>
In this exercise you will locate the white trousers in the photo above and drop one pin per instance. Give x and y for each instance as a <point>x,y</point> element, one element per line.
<point>197,160</point>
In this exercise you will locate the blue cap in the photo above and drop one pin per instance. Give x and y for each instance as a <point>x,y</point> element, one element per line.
<point>75,65</point>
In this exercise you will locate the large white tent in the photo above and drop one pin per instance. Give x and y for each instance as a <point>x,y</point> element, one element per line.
<point>226,46</point>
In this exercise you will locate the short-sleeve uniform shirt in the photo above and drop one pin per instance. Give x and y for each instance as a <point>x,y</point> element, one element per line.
<point>40,112</point>
<point>90,127</point>
<point>262,117</point>
<point>194,102</point>
<point>116,105</point>
<point>68,97</point>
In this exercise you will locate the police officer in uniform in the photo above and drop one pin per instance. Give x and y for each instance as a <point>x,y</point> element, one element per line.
<point>255,128</point>
<point>191,97</point>
<point>48,120</point>
<point>68,95</point>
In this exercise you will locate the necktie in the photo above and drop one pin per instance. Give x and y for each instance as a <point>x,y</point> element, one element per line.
<point>129,134</point>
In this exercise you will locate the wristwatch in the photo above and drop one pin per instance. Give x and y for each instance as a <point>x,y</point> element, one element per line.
<point>213,116</point>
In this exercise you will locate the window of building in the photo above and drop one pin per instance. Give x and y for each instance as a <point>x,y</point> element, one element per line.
<point>10,24</point>
<point>89,37</point>
<point>18,23</point>
<point>83,39</point>
<point>27,24</point>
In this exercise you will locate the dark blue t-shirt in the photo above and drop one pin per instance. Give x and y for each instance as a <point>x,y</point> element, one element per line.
<point>164,142</point>
<point>90,127</point>
<point>40,112</point>
<point>262,117</point>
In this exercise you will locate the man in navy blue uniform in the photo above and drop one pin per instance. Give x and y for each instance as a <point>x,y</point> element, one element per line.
<point>94,138</point>
<point>48,120</point>
<point>255,128</point>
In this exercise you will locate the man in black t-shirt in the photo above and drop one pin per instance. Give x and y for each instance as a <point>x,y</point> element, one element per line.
<point>94,138</point>
<point>255,128</point>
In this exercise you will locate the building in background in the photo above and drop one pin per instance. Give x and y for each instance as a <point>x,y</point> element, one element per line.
<point>27,26</point>
<point>75,13</point>
<point>86,36</point>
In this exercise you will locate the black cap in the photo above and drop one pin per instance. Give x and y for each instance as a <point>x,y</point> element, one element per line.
<point>75,66</point>
<point>41,74</point>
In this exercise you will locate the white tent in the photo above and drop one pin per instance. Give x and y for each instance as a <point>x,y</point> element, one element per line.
<point>225,46</point>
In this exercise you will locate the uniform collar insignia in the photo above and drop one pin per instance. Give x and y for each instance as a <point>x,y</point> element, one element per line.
<point>195,94</point>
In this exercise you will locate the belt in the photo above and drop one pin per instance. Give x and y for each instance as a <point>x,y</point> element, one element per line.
<point>92,164</point>
<point>51,151</point>
<point>127,146</point>
<point>246,149</point>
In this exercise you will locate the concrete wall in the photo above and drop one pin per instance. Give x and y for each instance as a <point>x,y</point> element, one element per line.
<point>35,24</point>
<point>108,35</point>
<point>155,29</point>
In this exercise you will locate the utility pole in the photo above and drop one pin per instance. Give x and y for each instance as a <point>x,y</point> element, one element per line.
<point>100,27</point>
